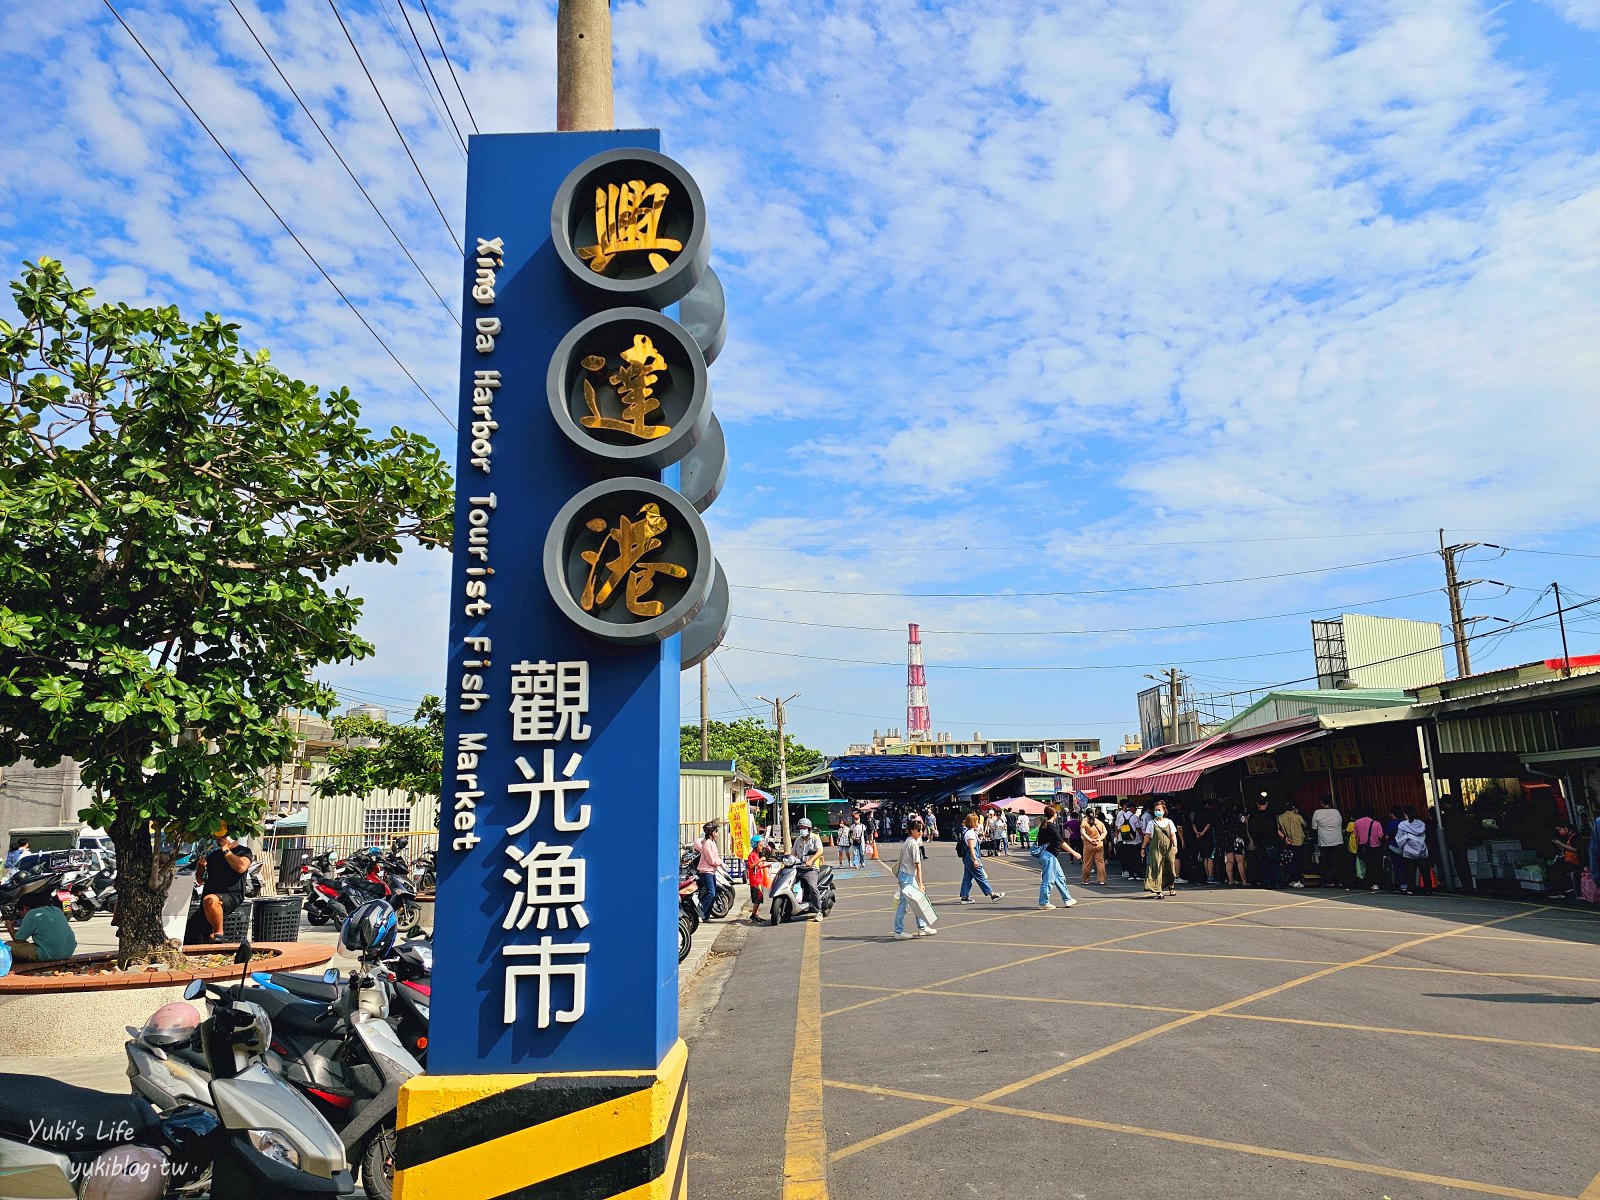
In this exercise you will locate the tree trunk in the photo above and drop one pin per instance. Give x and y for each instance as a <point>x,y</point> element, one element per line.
<point>144,874</point>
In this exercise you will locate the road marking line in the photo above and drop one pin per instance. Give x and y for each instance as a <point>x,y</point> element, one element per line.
<point>1232,1016</point>
<point>805,1157</point>
<point>1189,1139</point>
<point>1135,1039</point>
<point>1021,962</point>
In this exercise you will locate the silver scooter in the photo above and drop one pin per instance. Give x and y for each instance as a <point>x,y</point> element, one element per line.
<point>274,1145</point>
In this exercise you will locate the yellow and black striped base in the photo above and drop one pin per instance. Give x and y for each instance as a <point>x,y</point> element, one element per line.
<point>545,1137</point>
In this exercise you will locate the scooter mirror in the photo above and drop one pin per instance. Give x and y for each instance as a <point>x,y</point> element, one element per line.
<point>331,975</point>
<point>196,989</point>
<point>242,954</point>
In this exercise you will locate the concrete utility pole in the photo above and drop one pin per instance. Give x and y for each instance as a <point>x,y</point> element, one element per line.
<point>1566,659</point>
<point>583,65</point>
<point>705,722</point>
<point>1454,586</point>
<point>1173,678</point>
<point>778,715</point>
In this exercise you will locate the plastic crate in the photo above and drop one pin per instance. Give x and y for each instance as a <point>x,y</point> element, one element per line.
<point>276,919</point>
<point>1534,885</point>
<point>1477,854</point>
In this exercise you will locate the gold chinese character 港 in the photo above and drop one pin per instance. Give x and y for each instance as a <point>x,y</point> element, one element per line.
<point>634,380</point>
<point>626,219</point>
<point>633,539</point>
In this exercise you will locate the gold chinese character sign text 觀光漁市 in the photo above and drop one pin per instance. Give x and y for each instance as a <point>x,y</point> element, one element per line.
<point>632,540</point>
<point>627,218</point>
<point>634,381</point>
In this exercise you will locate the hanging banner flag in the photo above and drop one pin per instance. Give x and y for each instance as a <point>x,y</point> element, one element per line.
<point>739,828</point>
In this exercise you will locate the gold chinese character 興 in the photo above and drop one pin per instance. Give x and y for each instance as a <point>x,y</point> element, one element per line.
<point>626,218</point>
<point>632,539</point>
<point>634,381</point>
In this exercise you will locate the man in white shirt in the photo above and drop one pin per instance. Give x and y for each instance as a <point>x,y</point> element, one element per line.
<point>858,842</point>
<point>1328,825</point>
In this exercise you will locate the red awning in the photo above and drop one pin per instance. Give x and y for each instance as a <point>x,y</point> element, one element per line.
<point>1182,773</point>
<point>1084,783</point>
<point>1021,804</point>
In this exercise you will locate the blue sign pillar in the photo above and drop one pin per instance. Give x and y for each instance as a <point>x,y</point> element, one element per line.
<point>555,1006</point>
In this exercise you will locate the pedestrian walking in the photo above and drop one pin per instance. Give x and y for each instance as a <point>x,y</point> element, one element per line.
<point>908,870</point>
<point>1369,849</point>
<point>1128,840</point>
<point>1011,827</point>
<point>1024,827</point>
<point>1328,826</point>
<point>858,842</point>
<point>710,862</point>
<point>969,847</point>
<point>1264,841</point>
<point>1411,843</point>
<point>841,842</point>
<point>1235,844</point>
<point>1161,853</point>
<point>1049,845</point>
<point>1201,841</point>
<point>1092,831</point>
<point>1292,829</point>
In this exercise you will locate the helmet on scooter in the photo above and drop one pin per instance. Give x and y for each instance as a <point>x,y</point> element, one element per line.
<point>171,1024</point>
<point>370,930</point>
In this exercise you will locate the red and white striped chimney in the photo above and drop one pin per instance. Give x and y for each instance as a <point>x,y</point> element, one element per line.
<point>917,723</point>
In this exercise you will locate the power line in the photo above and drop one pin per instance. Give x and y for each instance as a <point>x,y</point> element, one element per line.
<point>1068,632</point>
<point>377,91</point>
<point>1034,547</point>
<point>1550,553</point>
<point>721,671</point>
<point>1159,587</point>
<point>870,662</point>
<point>367,195</point>
<point>424,54</point>
<point>446,54</point>
<point>260,196</point>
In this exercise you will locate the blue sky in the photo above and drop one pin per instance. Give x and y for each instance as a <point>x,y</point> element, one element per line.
<point>1024,298</point>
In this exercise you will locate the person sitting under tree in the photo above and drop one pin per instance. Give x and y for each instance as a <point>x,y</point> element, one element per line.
<point>43,934</point>
<point>221,875</point>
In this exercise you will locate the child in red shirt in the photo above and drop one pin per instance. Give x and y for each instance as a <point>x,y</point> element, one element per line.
<point>755,873</point>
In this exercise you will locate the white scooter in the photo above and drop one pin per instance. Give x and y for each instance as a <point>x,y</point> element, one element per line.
<point>788,897</point>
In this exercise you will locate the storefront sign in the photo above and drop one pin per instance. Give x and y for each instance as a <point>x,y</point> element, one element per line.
<point>1043,787</point>
<point>807,793</point>
<point>1261,764</point>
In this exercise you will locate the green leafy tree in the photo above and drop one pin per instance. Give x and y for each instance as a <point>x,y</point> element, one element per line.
<point>753,744</point>
<point>172,511</point>
<point>379,756</point>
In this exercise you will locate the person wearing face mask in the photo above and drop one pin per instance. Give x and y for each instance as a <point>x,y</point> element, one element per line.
<point>1161,853</point>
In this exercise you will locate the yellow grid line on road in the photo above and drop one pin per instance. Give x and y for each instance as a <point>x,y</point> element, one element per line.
<point>1576,1048</point>
<point>1135,1039</point>
<point>805,1156</point>
<point>1189,1139</point>
<point>1067,950</point>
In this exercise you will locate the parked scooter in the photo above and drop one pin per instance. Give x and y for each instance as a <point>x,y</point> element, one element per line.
<point>22,883</point>
<point>93,894</point>
<point>688,914</point>
<point>267,1142</point>
<point>333,894</point>
<point>410,970</point>
<point>788,898</point>
<point>338,1050</point>
<point>688,858</point>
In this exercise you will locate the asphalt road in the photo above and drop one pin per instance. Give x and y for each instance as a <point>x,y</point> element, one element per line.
<point>1224,1042</point>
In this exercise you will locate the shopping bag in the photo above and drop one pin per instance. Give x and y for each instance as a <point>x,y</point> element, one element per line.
<point>872,851</point>
<point>919,902</point>
<point>1361,868</point>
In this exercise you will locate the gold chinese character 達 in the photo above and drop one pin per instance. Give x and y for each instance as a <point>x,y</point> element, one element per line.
<point>634,381</point>
<point>626,219</point>
<point>632,540</point>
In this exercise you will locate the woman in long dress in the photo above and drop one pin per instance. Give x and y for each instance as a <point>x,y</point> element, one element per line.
<point>1161,854</point>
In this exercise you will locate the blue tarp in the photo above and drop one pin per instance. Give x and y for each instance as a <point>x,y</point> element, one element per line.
<point>914,778</point>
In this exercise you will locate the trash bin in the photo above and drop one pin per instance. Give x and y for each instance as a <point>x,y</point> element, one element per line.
<point>277,919</point>
<point>235,926</point>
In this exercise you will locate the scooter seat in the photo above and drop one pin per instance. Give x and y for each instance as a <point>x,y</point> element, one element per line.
<point>52,1115</point>
<point>308,987</point>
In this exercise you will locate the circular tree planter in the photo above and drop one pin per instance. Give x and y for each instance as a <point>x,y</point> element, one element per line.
<point>83,1005</point>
